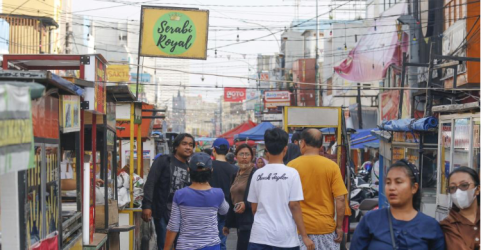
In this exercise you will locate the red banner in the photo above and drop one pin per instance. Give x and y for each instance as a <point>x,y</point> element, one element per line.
<point>234,94</point>
<point>389,105</point>
<point>50,243</point>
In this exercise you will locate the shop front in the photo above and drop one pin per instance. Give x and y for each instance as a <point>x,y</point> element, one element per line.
<point>459,137</point>
<point>404,139</point>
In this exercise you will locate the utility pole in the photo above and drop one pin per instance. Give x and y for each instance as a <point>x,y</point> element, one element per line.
<point>359,106</point>
<point>317,56</point>
<point>67,34</point>
<point>155,83</point>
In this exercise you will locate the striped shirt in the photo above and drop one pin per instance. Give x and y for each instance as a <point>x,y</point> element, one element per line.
<point>194,216</point>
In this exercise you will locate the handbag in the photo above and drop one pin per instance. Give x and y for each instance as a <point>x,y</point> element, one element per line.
<point>390,229</point>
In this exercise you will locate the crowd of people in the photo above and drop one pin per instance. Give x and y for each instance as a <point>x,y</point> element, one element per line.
<point>293,198</point>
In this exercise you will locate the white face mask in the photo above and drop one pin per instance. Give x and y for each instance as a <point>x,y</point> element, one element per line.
<point>463,199</point>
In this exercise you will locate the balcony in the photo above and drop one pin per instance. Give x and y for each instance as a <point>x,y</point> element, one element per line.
<point>29,34</point>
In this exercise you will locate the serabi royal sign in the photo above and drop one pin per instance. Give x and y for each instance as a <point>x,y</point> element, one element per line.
<point>174,32</point>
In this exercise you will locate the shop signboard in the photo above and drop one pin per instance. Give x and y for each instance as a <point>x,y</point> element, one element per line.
<point>234,94</point>
<point>274,99</point>
<point>16,129</point>
<point>69,113</point>
<point>174,32</point>
<point>118,73</point>
<point>277,96</point>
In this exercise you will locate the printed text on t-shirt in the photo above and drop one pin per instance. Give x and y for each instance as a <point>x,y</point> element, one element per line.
<point>272,176</point>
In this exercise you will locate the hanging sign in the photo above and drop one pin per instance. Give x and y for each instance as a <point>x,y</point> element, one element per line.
<point>69,113</point>
<point>234,94</point>
<point>16,130</point>
<point>173,32</point>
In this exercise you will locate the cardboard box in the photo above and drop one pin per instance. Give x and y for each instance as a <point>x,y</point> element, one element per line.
<point>100,215</point>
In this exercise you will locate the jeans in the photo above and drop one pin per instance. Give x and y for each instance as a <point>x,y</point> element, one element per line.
<point>160,230</point>
<point>223,238</point>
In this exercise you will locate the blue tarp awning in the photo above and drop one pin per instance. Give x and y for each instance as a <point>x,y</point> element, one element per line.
<point>328,130</point>
<point>256,133</point>
<point>68,85</point>
<point>407,125</point>
<point>363,138</point>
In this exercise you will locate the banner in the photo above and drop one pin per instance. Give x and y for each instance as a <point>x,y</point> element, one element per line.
<point>174,32</point>
<point>234,94</point>
<point>16,130</point>
<point>118,73</point>
<point>389,105</point>
<point>69,113</point>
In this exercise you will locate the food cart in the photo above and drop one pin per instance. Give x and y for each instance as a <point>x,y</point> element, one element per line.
<point>79,138</point>
<point>39,187</point>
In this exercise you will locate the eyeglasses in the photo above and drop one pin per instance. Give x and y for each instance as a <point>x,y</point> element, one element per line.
<point>244,154</point>
<point>462,186</point>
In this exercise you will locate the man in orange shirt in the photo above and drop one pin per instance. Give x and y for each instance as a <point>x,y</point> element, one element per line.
<point>324,193</point>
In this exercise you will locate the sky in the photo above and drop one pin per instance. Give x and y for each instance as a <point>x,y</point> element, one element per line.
<point>254,19</point>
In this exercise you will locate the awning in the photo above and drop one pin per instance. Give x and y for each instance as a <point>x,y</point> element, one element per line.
<point>46,78</point>
<point>364,139</point>
<point>229,135</point>
<point>407,125</point>
<point>36,89</point>
<point>376,50</point>
<point>256,133</point>
<point>120,93</point>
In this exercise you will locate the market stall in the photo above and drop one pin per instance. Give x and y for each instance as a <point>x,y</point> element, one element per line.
<point>415,141</point>
<point>18,148</point>
<point>459,138</point>
<point>39,193</point>
<point>78,142</point>
<point>134,127</point>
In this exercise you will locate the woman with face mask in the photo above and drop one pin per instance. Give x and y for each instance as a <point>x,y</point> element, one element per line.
<point>240,213</point>
<point>400,226</point>
<point>461,227</point>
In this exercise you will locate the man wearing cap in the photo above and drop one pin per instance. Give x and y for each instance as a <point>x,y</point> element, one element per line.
<point>195,209</point>
<point>222,178</point>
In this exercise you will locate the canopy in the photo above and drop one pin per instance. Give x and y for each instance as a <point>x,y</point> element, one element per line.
<point>229,135</point>
<point>328,130</point>
<point>377,50</point>
<point>363,138</point>
<point>256,133</point>
<point>406,125</point>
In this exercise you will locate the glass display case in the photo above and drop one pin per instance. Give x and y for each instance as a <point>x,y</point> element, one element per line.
<point>458,147</point>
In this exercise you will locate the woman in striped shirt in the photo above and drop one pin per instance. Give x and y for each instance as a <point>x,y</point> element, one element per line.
<point>195,208</point>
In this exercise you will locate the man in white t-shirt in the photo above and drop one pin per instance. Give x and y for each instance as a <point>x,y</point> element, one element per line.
<point>275,192</point>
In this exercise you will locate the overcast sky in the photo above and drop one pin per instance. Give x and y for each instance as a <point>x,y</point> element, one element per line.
<point>225,18</point>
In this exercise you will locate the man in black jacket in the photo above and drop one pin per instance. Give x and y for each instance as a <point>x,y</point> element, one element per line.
<point>167,175</point>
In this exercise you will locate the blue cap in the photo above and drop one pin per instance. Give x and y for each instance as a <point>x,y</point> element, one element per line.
<point>200,160</point>
<point>219,142</point>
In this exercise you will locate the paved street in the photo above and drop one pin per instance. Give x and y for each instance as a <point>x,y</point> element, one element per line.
<point>232,240</point>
